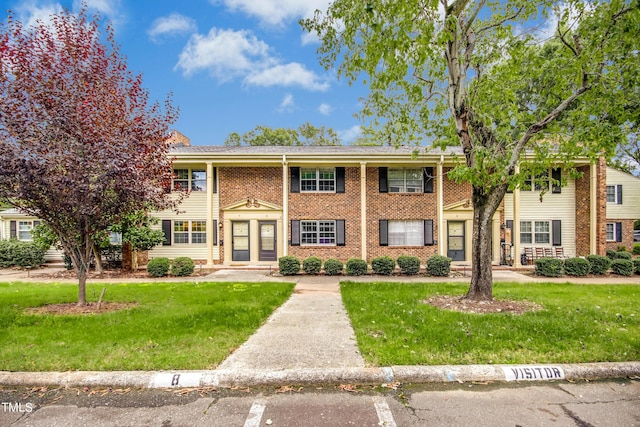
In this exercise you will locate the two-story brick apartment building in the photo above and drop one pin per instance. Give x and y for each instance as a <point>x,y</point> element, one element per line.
<point>252,205</point>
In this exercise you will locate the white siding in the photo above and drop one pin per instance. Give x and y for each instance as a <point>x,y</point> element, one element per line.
<point>552,207</point>
<point>193,208</point>
<point>630,207</point>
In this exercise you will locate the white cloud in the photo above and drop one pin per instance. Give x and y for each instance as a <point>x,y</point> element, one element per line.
<point>275,12</point>
<point>229,54</point>
<point>287,103</point>
<point>174,24</point>
<point>30,12</point>
<point>224,53</point>
<point>325,109</point>
<point>348,135</point>
<point>291,74</point>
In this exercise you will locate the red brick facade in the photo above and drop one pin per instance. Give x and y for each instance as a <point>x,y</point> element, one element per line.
<point>583,210</point>
<point>627,235</point>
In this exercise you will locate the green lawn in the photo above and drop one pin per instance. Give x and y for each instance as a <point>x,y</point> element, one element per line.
<point>579,323</point>
<point>175,325</point>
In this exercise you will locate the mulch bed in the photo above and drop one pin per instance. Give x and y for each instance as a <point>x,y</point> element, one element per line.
<point>458,303</point>
<point>75,309</point>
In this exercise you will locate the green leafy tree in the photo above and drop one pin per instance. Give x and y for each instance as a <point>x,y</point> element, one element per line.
<point>80,145</point>
<point>477,74</point>
<point>306,134</point>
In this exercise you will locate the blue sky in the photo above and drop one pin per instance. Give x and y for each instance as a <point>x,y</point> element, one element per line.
<point>231,64</point>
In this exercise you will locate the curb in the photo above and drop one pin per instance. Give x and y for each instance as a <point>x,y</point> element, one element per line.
<point>321,376</point>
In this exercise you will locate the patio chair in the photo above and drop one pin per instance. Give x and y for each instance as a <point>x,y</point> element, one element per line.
<point>539,253</point>
<point>548,253</point>
<point>560,252</point>
<point>528,256</point>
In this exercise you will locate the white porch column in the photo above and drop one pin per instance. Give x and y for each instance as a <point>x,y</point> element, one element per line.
<point>593,209</point>
<point>285,205</point>
<point>516,224</point>
<point>440,203</point>
<point>363,209</point>
<point>209,215</point>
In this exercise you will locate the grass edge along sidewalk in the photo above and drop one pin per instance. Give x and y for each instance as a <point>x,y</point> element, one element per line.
<point>171,325</point>
<point>577,324</point>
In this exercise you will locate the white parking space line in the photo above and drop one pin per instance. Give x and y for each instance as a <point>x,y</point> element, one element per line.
<point>255,414</point>
<point>384,413</point>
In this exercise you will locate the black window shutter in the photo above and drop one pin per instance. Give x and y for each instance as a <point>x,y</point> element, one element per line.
<point>215,232</point>
<point>556,174</point>
<point>510,227</point>
<point>295,180</point>
<point>13,230</point>
<point>382,180</point>
<point>428,232</point>
<point>384,232</point>
<point>556,232</point>
<point>340,180</point>
<point>427,176</point>
<point>215,181</point>
<point>619,195</point>
<point>618,232</point>
<point>295,232</point>
<point>340,233</point>
<point>166,229</point>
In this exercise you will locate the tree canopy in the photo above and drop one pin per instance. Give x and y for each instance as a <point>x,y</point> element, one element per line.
<point>306,134</point>
<point>483,75</point>
<point>80,144</point>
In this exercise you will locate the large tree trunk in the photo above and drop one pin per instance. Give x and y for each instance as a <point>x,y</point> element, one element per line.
<point>484,207</point>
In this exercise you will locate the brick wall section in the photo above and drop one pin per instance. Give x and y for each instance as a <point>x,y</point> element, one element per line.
<point>583,197</point>
<point>330,206</point>
<point>601,170</point>
<point>454,192</point>
<point>240,183</point>
<point>401,207</point>
<point>583,208</point>
<point>627,235</point>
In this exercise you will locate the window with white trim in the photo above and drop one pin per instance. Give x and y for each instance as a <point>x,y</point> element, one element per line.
<point>318,179</point>
<point>189,232</point>
<point>614,194</point>
<point>537,182</point>
<point>318,232</point>
<point>614,231</point>
<point>535,232</point>
<point>24,230</point>
<point>542,233</point>
<point>406,233</point>
<point>194,179</point>
<point>525,232</point>
<point>405,180</point>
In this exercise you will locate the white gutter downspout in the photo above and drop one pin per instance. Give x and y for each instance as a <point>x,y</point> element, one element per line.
<point>593,209</point>
<point>285,205</point>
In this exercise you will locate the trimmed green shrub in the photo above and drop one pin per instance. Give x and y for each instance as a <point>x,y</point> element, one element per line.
<point>68,262</point>
<point>577,266</point>
<point>549,267</point>
<point>623,267</point>
<point>383,265</point>
<point>599,264</point>
<point>636,249</point>
<point>438,265</point>
<point>158,267</point>
<point>356,267</point>
<point>333,267</point>
<point>621,249</point>
<point>182,266</point>
<point>312,265</point>
<point>409,264</point>
<point>21,254</point>
<point>611,254</point>
<point>289,265</point>
<point>636,265</point>
<point>6,253</point>
<point>623,255</point>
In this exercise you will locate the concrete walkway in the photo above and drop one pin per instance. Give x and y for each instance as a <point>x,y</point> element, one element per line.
<point>310,330</point>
